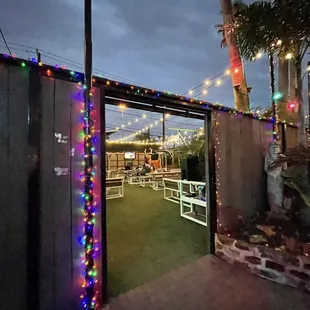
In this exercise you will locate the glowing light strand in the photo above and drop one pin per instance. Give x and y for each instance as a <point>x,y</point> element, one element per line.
<point>89,297</point>
<point>129,123</point>
<point>151,125</point>
<point>217,151</point>
<point>76,76</point>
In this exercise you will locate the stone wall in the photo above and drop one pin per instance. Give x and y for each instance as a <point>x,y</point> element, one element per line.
<point>266,262</point>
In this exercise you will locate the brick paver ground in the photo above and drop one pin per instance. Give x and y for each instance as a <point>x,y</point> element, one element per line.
<point>211,284</point>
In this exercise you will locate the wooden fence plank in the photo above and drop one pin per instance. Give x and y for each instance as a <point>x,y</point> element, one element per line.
<point>47,264</point>
<point>34,193</point>
<point>77,104</point>
<point>62,197</point>
<point>5,295</point>
<point>14,271</point>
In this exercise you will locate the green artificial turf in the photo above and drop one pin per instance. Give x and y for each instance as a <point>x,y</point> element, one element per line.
<point>147,238</point>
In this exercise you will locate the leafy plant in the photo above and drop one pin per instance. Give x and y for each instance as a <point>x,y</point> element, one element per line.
<point>297,178</point>
<point>274,27</point>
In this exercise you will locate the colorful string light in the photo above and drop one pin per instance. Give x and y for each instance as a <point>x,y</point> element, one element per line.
<point>89,296</point>
<point>138,91</point>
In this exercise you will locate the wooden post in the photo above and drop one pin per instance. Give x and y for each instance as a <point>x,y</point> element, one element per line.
<point>38,55</point>
<point>88,48</point>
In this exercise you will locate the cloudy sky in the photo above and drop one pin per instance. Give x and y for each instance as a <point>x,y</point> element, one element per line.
<point>170,45</point>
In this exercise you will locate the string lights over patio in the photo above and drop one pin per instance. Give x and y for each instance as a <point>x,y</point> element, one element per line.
<point>129,123</point>
<point>138,132</point>
<point>217,80</point>
<point>210,82</point>
<point>77,77</point>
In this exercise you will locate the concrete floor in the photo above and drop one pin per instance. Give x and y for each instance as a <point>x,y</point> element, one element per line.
<point>211,284</point>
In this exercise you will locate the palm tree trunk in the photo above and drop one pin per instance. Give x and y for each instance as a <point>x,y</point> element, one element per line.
<point>273,102</point>
<point>241,94</point>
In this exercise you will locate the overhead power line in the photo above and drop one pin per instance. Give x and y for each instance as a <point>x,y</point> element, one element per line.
<point>4,40</point>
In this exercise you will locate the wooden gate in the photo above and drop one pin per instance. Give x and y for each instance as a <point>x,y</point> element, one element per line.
<point>41,155</point>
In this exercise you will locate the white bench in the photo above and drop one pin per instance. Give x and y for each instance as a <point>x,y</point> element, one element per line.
<point>188,203</point>
<point>115,188</point>
<point>171,190</point>
<point>158,177</point>
<point>145,179</point>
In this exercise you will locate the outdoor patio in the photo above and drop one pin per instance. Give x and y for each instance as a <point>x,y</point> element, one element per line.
<point>147,238</point>
<point>210,283</point>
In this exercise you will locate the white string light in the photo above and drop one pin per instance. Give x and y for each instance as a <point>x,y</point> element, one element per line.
<point>149,126</point>
<point>129,123</point>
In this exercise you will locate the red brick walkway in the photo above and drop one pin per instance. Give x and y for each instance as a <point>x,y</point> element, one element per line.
<point>211,284</point>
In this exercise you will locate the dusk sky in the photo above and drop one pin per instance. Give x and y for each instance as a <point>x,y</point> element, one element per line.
<point>169,45</point>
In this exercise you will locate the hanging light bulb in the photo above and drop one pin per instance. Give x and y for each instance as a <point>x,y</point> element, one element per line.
<point>207,82</point>
<point>227,72</point>
<point>289,56</point>
<point>204,91</point>
<point>277,96</point>
<point>122,108</point>
<point>292,105</point>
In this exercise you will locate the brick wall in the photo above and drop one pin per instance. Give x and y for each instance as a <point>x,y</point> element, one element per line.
<point>266,262</point>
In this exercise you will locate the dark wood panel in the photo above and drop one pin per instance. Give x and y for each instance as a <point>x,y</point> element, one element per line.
<point>5,295</point>
<point>34,199</point>
<point>243,143</point>
<point>77,152</point>
<point>47,257</point>
<point>14,272</point>
<point>247,166</point>
<point>62,196</point>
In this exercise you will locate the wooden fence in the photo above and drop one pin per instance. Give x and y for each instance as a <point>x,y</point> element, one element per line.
<point>40,162</point>
<point>117,160</point>
<point>242,144</point>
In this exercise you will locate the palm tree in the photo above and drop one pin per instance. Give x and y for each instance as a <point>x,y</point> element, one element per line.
<point>278,27</point>
<point>248,26</point>
<point>241,91</point>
